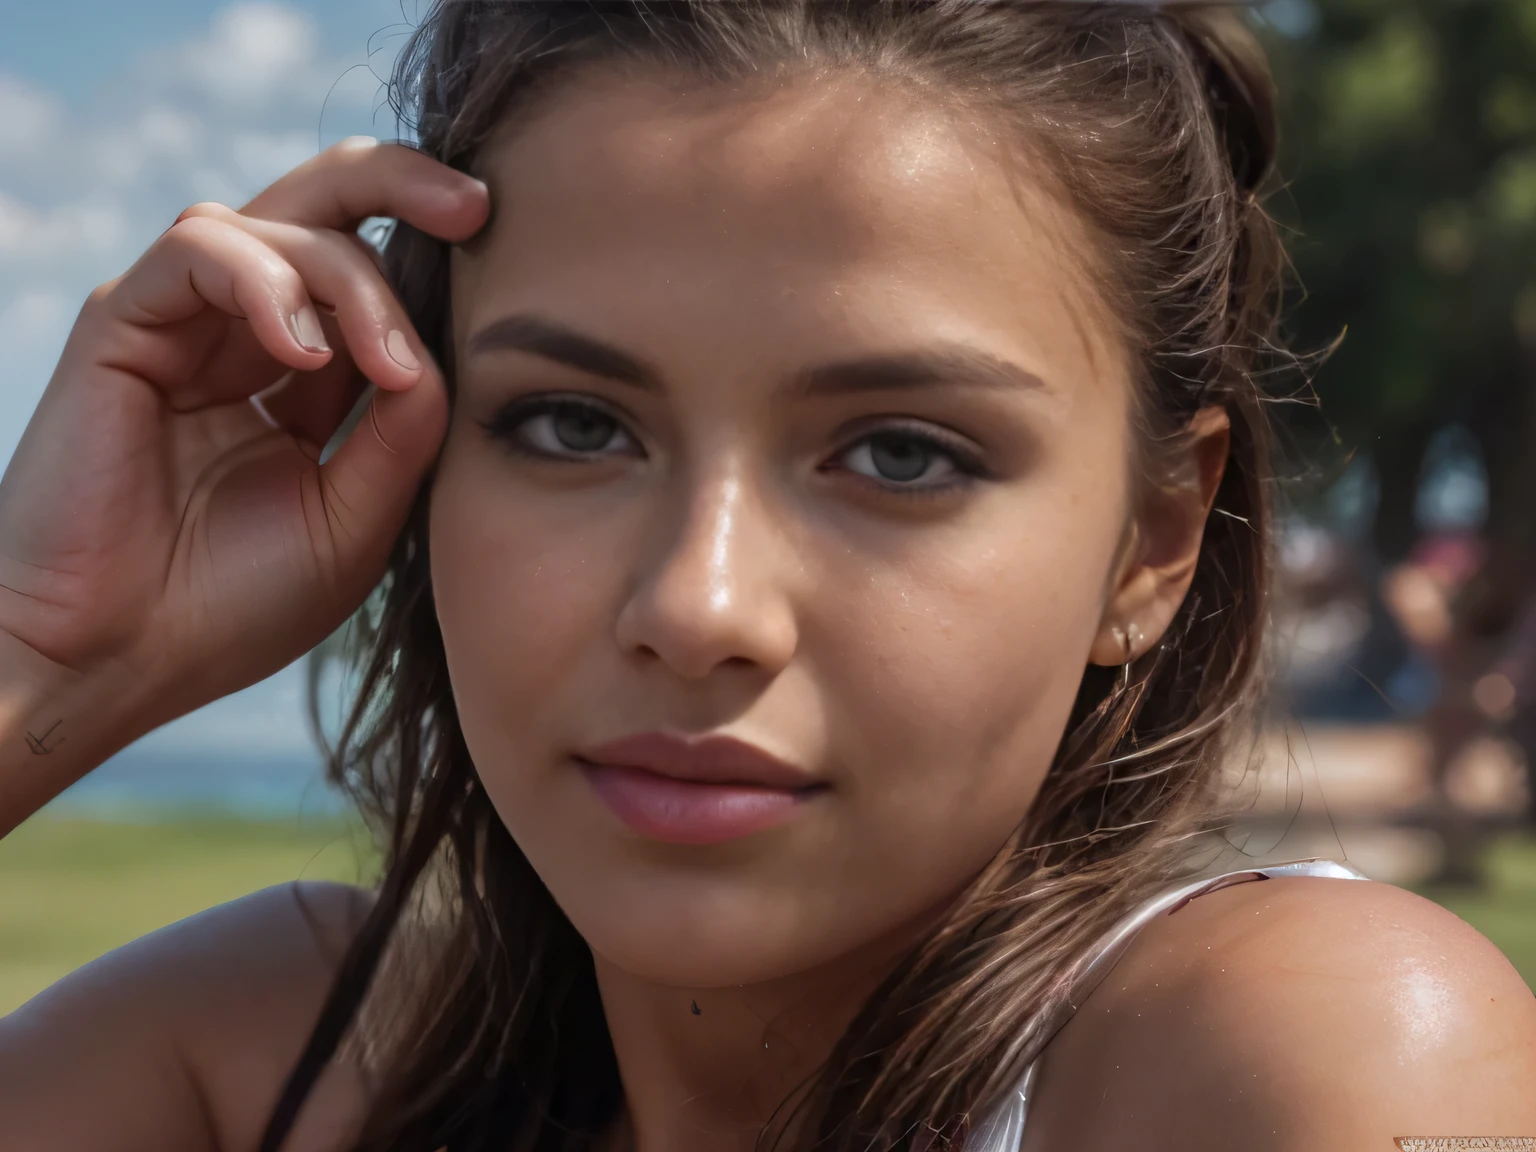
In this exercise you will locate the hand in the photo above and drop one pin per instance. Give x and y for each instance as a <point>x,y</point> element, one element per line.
<point>155,530</point>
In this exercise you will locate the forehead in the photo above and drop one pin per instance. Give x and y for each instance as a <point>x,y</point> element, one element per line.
<point>838,196</point>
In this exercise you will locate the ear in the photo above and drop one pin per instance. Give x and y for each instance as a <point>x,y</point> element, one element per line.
<point>1163,546</point>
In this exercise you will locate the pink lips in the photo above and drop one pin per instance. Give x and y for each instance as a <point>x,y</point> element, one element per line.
<point>694,791</point>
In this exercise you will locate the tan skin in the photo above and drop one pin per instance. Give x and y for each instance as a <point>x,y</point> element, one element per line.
<point>731,559</point>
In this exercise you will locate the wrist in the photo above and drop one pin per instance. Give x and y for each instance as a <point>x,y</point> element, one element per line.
<point>56,725</point>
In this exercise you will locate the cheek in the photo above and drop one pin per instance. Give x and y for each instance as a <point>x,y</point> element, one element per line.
<point>958,670</point>
<point>522,594</point>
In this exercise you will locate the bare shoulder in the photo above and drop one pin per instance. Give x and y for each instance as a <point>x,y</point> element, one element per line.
<point>1291,1013</point>
<point>182,1039</point>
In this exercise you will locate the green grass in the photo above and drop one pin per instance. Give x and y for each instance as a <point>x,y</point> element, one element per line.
<point>72,889</point>
<point>1506,911</point>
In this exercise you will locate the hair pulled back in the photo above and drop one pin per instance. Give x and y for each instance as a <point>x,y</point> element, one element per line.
<point>1156,125</point>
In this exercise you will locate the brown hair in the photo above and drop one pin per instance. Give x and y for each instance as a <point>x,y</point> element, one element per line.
<point>1157,124</point>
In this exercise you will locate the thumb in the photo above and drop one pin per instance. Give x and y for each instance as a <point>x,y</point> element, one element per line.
<point>371,480</point>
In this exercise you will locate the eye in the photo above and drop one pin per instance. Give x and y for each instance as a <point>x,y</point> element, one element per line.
<point>561,427</point>
<point>909,461</point>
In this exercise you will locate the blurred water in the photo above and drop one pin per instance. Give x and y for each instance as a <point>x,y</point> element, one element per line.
<point>249,754</point>
<point>154,780</point>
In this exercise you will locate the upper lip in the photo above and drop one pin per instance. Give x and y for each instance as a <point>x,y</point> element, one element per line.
<point>710,759</point>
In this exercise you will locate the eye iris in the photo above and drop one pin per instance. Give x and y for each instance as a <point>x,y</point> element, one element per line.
<point>898,458</point>
<point>582,429</point>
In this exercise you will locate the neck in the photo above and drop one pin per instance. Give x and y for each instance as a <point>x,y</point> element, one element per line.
<point>711,1080</point>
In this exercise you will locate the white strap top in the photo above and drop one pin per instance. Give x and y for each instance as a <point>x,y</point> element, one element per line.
<point>1003,1129</point>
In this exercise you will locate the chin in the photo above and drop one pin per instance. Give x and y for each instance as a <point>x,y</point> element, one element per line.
<point>703,932</point>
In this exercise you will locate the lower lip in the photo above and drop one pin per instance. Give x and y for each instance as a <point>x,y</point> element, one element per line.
<point>687,811</point>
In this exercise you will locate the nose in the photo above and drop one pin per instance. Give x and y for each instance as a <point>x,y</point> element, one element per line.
<point>714,592</point>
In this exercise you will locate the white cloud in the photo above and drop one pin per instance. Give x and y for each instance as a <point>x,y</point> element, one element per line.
<point>169,132</point>
<point>147,147</point>
<point>218,116</point>
<point>214,184</point>
<point>28,114</point>
<point>254,51</point>
<point>30,234</point>
<point>261,157</point>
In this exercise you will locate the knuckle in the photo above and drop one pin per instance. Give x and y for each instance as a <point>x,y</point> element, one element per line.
<point>195,238</point>
<point>225,244</point>
<point>354,145</point>
<point>98,303</point>
<point>204,208</point>
<point>190,230</point>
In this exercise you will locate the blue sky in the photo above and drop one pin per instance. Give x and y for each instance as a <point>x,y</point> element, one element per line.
<point>70,48</point>
<point>117,114</point>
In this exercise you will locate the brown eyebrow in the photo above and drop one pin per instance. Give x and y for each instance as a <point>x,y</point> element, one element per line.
<point>945,364</point>
<point>526,333</point>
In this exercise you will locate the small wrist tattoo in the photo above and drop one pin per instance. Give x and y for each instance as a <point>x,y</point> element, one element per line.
<point>40,745</point>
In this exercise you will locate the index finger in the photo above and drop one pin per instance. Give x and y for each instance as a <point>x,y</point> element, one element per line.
<point>359,177</point>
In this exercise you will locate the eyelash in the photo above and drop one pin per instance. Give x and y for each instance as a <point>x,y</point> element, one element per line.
<point>968,467</point>
<point>510,418</point>
<point>506,423</point>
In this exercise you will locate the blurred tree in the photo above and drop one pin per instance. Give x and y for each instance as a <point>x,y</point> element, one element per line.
<point>1410,157</point>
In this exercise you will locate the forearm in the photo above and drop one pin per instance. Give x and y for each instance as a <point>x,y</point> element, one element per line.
<point>55,726</point>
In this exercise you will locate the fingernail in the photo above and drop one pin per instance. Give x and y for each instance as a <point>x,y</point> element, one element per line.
<point>400,351</point>
<point>305,326</point>
<point>357,143</point>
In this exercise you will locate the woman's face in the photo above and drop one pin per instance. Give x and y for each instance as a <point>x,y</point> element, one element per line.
<point>787,417</point>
